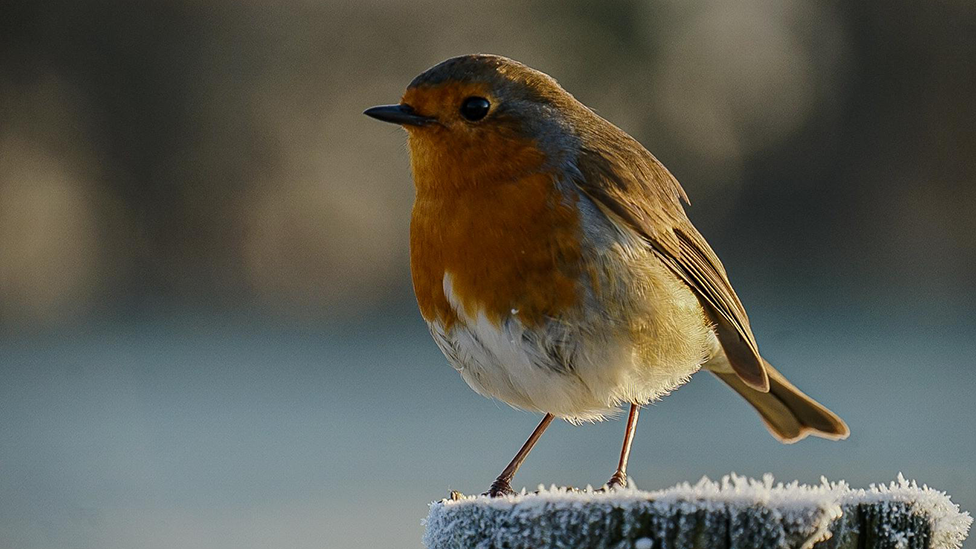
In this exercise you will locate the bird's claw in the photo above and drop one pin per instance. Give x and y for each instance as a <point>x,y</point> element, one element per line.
<point>618,480</point>
<point>500,488</point>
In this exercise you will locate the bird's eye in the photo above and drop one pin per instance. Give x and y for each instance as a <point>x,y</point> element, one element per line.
<point>475,108</point>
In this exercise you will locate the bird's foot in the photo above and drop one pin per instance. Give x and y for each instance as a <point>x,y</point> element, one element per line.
<point>500,487</point>
<point>618,480</point>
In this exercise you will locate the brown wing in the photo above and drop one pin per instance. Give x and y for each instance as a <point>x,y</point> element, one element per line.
<point>627,182</point>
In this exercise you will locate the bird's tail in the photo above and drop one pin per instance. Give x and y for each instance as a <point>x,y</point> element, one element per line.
<point>789,414</point>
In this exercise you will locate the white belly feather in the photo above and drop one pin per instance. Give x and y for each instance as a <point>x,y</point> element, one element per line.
<point>635,339</point>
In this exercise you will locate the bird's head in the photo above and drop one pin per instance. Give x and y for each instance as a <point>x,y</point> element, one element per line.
<point>480,119</point>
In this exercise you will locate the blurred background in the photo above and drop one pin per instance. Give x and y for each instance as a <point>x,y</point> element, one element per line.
<point>207,332</point>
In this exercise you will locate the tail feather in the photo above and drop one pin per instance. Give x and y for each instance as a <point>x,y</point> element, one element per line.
<point>788,413</point>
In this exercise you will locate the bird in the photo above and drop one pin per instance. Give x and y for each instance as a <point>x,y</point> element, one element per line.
<point>555,266</point>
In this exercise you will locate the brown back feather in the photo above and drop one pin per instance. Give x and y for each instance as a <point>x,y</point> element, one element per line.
<point>628,183</point>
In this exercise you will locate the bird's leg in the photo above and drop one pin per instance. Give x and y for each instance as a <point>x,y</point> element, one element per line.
<point>619,478</point>
<point>502,485</point>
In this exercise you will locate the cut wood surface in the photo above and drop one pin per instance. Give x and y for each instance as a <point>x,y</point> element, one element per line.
<point>734,513</point>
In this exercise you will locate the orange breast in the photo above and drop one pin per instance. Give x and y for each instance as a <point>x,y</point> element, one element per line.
<point>512,245</point>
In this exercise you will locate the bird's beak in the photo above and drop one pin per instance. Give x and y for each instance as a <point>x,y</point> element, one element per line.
<point>398,114</point>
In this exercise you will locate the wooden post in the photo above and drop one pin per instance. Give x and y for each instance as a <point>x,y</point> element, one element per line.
<point>736,513</point>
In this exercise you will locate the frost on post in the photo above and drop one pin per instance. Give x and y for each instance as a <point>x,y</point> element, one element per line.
<point>736,513</point>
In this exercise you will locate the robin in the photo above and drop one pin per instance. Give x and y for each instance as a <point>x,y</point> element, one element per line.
<point>554,263</point>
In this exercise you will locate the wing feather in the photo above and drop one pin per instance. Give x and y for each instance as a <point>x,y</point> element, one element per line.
<point>629,184</point>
